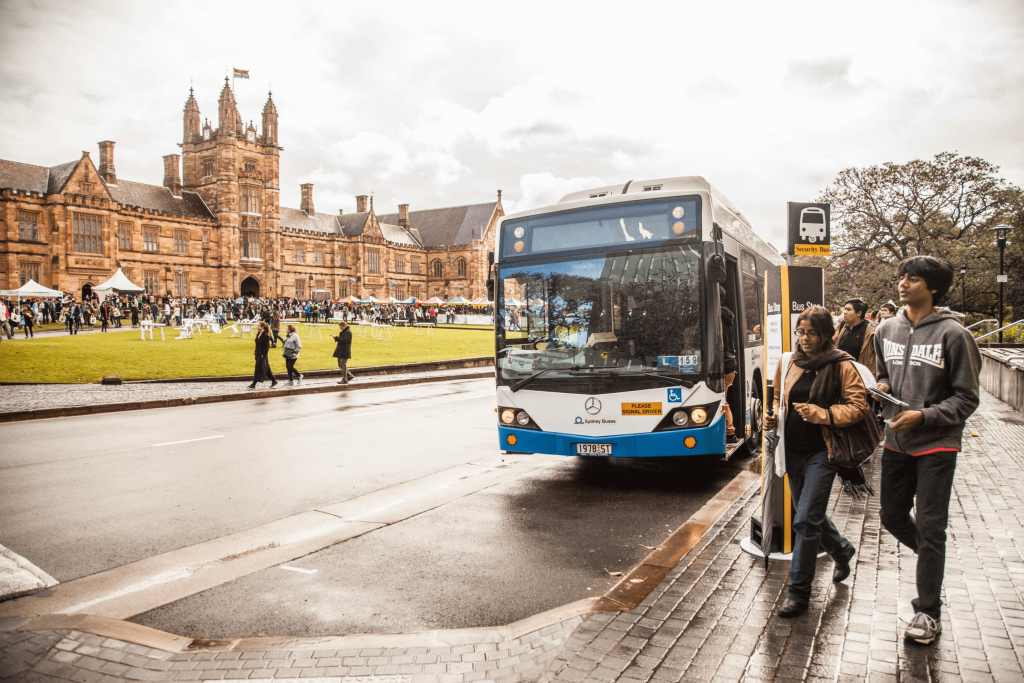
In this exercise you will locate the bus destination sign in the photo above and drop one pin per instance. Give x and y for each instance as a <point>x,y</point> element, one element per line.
<point>810,229</point>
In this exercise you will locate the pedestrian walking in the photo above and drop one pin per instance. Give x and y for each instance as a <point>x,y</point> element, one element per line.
<point>822,388</point>
<point>292,349</point>
<point>28,319</point>
<point>855,334</point>
<point>343,350</point>
<point>930,362</point>
<point>104,316</point>
<point>4,321</point>
<point>262,371</point>
<point>275,328</point>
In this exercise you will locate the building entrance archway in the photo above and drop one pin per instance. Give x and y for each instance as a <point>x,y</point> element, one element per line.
<point>86,291</point>
<point>250,287</point>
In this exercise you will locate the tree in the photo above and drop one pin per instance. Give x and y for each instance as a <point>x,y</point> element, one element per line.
<point>942,207</point>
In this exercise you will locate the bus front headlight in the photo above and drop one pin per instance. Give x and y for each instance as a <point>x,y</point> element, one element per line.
<point>522,418</point>
<point>508,416</point>
<point>679,418</point>
<point>699,416</point>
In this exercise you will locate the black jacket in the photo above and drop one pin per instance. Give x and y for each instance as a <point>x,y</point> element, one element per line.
<point>262,345</point>
<point>344,347</point>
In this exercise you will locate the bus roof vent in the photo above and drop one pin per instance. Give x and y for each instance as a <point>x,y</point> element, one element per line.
<point>652,188</point>
<point>598,194</point>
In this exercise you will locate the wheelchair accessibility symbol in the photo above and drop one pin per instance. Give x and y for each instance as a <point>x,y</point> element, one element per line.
<point>675,396</point>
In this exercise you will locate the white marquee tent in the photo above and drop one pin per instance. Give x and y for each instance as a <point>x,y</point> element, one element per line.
<point>33,290</point>
<point>117,283</point>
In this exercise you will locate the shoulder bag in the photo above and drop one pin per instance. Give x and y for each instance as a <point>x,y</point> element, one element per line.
<point>852,445</point>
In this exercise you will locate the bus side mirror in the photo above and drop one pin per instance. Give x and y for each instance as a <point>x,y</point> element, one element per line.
<point>716,268</point>
<point>490,288</point>
<point>490,259</point>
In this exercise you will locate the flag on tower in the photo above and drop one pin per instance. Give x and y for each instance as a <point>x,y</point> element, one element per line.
<point>240,74</point>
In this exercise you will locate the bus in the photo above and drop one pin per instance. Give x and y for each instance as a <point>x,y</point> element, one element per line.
<point>608,322</point>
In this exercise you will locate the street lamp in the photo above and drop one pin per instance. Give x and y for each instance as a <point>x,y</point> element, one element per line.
<point>1001,231</point>
<point>963,292</point>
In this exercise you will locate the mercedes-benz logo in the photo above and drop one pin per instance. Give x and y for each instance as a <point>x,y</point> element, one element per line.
<point>592,406</point>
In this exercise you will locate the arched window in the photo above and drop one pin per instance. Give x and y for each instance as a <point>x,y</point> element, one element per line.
<point>438,268</point>
<point>461,263</point>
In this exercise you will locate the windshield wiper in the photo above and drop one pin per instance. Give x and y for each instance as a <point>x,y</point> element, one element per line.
<point>675,380</point>
<point>523,382</point>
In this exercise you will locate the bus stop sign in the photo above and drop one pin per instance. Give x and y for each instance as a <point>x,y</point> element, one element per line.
<point>809,229</point>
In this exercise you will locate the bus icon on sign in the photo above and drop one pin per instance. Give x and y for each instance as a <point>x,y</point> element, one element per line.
<point>812,224</point>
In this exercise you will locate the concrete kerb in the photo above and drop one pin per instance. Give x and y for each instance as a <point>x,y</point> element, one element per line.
<point>72,411</point>
<point>396,369</point>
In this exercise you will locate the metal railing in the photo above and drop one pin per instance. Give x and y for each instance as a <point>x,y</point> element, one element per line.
<point>982,322</point>
<point>1001,329</point>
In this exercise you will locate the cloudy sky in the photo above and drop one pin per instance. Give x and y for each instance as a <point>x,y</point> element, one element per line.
<point>439,104</point>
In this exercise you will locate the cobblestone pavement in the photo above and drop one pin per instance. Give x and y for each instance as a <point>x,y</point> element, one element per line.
<point>18,397</point>
<point>711,619</point>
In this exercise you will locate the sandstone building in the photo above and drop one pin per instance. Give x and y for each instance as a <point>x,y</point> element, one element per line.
<point>216,227</point>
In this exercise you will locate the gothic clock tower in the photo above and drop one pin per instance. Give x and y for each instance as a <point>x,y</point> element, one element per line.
<point>237,173</point>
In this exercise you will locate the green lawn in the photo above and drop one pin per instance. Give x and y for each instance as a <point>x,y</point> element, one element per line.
<point>87,357</point>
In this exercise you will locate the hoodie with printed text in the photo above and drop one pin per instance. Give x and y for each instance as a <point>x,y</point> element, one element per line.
<point>935,368</point>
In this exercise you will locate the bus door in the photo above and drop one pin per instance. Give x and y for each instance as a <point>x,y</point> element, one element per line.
<point>735,395</point>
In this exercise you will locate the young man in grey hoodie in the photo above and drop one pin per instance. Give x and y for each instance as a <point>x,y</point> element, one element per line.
<point>927,359</point>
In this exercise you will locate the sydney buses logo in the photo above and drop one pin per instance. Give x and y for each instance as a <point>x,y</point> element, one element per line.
<point>592,406</point>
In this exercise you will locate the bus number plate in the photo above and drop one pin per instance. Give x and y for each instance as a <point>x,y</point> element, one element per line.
<point>593,449</point>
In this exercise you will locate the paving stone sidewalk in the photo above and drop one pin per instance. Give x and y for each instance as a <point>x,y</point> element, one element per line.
<point>19,397</point>
<point>713,618</point>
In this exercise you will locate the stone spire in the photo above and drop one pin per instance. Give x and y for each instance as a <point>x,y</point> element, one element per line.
<point>192,133</point>
<point>229,120</point>
<point>270,120</point>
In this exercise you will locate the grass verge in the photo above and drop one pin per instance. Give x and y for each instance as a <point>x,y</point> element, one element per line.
<point>87,357</point>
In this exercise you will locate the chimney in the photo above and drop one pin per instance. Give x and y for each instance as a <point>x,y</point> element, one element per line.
<point>499,195</point>
<point>307,198</point>
<point>107,162</point>
<point>172,181</point>
<point>361,204</point>
<point>403,215</point>
<point>341,212</point>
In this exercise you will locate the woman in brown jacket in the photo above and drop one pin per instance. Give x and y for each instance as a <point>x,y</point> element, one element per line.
<point>818,379</point>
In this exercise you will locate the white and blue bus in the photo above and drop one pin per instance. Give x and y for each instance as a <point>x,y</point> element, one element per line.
<point>608,322</point>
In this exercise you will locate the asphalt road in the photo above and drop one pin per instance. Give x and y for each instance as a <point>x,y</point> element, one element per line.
<point>437,545</point>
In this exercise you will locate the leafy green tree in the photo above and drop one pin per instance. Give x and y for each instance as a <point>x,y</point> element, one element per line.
<point>944,207</point>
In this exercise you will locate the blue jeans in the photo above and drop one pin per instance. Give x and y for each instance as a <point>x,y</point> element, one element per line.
<point>810,481</point>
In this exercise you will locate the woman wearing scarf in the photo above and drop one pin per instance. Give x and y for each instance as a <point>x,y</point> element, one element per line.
<point>262,371</point>
<point>818,379</point>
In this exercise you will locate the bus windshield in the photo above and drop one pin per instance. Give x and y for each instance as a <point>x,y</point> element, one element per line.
<point>596,319</point>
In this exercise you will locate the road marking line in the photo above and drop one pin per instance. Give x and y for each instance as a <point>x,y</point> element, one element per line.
<point>202,438</point>
<point>375,412</point>
<point>297,569</point>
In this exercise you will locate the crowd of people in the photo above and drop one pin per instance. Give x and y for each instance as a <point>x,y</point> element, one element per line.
<point>117,310</point>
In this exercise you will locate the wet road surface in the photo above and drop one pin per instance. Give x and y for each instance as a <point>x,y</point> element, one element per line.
<point>85,495</point>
